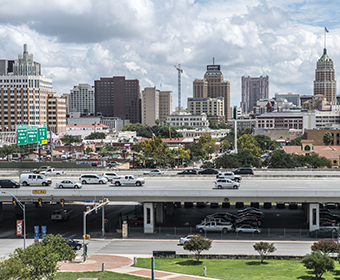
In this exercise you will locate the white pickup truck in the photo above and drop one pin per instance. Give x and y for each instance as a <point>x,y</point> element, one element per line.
<point>60,215</point>
<point>53,171</point>
<point>223,227</point>
<point>128,180</point>
<point>229,175</point>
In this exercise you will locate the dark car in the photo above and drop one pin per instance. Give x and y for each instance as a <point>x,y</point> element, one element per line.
<point>244,170</point>
<point>7,183</point>
<point>323,233</point>
<point>137,221</point>
<point>188,172</point>
<point>76,245</point>
<point>208,171</point>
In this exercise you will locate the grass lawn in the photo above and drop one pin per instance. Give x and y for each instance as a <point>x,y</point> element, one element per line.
<point>239,269</point>
<point>107,275</point>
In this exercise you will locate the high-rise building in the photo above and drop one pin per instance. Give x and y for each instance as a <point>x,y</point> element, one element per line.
<point>156,104</point>
<point>253,89</point>
<point>324,82</point>
<point>291,97</point>
<point>81,99</point>
<point>117,97</point>
<point>25,95</point>
<point>212,107</point>
<point>213,85</point>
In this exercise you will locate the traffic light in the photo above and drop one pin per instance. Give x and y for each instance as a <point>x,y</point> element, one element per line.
<point>62,202</point>
<point>235,112</point>
<point>14,201</point>
<point>39,202</point>
<point>88,208</point>
<point>105,199</point>
<point>100,201</point>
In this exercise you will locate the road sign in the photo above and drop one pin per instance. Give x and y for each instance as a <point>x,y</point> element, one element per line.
<point>42,135</point>
<point>32,134</point>
<point>22,134</point>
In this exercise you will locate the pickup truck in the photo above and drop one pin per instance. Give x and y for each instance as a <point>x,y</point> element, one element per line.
<point>229,175</point>
<point>52,171</point>
<point>60,215</point>
<point>41,168</point>
<point>223,227</point>
<point>128,180</point>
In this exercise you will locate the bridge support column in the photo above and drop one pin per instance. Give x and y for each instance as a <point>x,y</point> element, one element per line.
<point>160,212</point>
<point>313,216</point>
<point>169,208</point>
<point>149,220</point>
<point>1,217</point>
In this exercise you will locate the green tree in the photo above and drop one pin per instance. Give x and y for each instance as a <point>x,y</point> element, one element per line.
<point>96,135</point>
<point>227,160</point>
<point>196,151</point>
<point>88,150</point>
<point>280,159</point>
<point>224,145</point>
<point>296,141</point>
<point>319,263</point>
<point>264,249</point>
<point>164,131</point>
<point>70,139</point>
<point>328,138</point>
<point>197,244</point>
<point>248,159</point>
<point>265,143</point>
<point>37,261</point>
<point>157,121</point>
<point>248,142</point>
<point>141,130</point>
<point>326,246</point>
<point>183,153</point>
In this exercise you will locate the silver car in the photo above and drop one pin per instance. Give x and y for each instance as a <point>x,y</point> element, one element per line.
<point>68,184</point>
<point>224,183</point>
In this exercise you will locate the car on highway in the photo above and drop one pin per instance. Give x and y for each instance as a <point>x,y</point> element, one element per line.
<point>185,239</point>
<point>41,168</point>
<point>244,170</point>
<point>245,228</point>
<point>154,172</point>
<point>28,179</point>
<point>111,176</point>
<point>74,244</point>
<point>323,233</point>
<point>188,172</point>
<point>68,184</point>
<point>229,175</point>
<point>8,183</point>
<point>92,179</point>
<point>226,184</point>
<point>113,164</point>
<point>60,215</point>
<point>208,171</point>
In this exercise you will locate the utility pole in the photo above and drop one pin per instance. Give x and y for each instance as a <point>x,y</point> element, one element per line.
<point>179,85</point>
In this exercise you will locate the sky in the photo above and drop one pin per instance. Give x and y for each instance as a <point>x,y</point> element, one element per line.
<point>80,41</point>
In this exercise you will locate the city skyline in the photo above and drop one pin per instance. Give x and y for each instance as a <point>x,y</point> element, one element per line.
<point>81,41</point>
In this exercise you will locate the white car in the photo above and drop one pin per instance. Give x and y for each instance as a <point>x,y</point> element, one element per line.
<point>185,239</point>
<point>226,184</point>
<point>68,184</point>
<point>92,179</point>
<point>111,175</point>
<point>247,229</point>
<point>154,172</point>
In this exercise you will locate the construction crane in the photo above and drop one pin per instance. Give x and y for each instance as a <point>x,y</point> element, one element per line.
<point>179,85</point>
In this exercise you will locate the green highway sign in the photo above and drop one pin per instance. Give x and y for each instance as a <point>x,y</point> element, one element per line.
<point>22,134</point>
<point>32,134</point>
<point>42,135</point>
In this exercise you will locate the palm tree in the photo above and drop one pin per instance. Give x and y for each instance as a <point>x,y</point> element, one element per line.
<point>328,138</point>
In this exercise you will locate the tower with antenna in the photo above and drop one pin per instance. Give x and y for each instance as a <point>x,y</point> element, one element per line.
<point>179,85</point>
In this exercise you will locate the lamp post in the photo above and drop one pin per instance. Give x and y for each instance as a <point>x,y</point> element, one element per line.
<point>23,208</point>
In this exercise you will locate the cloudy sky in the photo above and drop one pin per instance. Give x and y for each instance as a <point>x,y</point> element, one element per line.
<point>80,41</point>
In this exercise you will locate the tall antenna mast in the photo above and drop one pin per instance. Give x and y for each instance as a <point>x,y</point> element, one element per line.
<point>179,85</point>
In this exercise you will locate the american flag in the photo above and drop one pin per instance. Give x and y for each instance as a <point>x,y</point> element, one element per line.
<point>326,30</point>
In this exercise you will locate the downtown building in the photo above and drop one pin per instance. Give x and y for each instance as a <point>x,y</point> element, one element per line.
<point>27,97</point>
<point>117,97</point>
<point>253,89</point>
<point>212,107</point>
<point>156,104</point>
<point>325,83</point>
<point>213,86</point>
<point>81,99</point>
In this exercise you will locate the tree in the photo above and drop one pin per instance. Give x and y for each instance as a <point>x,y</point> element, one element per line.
<point>88,150</point>
<point>320,263</point>
<point>197,244</point>
<point>70,139</point>
<point>37,261</point>
<point>280,159</point>
<point>326,246</point>
<point>248,142</point>
<point>264,249</point>
<point>296,141</point>
<point>96,135</point>
<point>157,122</point>
<point>183,153</point>
<point>225,145</point>
<point>266,143</point>
<point>196,151</point>
<point>328,138</point>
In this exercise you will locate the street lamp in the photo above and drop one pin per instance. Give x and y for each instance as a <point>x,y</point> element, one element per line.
<point>23,208</point>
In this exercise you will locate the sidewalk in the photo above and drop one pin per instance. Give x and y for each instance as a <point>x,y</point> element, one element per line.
<point>121,264</point>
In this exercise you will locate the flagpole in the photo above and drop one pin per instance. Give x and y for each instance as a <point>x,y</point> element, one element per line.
<point>324,41</point>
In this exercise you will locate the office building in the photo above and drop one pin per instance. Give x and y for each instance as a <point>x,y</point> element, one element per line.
<point>25,95</point>
<point>118,97</point>
<point>213,86</point>
<point>291,97</point>
<point>253,89</point>
<point>180,119</point>
<point>212,107</point>
<point>81,99</point>
<point>324,82</point>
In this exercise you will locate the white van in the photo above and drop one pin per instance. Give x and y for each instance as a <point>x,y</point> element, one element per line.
<point>92,179</point>
<point>34,179</point>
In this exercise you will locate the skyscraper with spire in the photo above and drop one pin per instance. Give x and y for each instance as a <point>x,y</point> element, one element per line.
<point>325,82</point>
